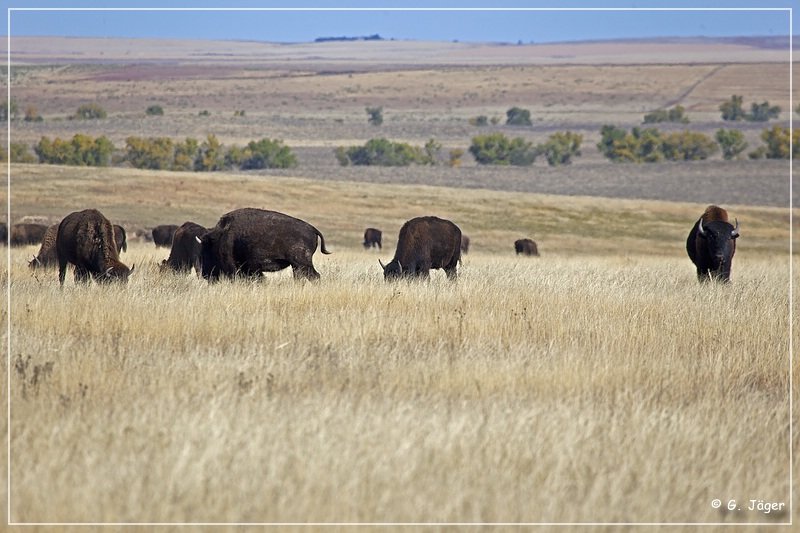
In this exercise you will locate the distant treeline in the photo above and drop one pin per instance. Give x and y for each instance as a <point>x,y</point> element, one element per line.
<point>375,37</point>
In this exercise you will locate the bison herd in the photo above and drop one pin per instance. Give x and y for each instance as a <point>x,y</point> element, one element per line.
<point>247,242</point>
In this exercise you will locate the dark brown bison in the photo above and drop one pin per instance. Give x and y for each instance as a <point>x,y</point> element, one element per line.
<point>3,233</point>
<point>249,241</point>
<point>372,238</point>
<point>120,238</point>
<point>526,247</point>
<point>22,234</point>
<point>47,256</point>
<point>425,243</point>
<point>162,235</point>
<point>712,243</point>
<point>464,244</point>
<point>86,239</point>
<point>185,252</point>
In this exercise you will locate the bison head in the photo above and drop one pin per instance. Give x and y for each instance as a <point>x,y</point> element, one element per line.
<point>717,239</point>
<point>117,272</point>
<point>393,270</point>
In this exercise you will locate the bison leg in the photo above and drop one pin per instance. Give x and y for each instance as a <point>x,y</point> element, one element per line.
<point>81,275</point>
<point>304,271</point>
<point>62,271</point>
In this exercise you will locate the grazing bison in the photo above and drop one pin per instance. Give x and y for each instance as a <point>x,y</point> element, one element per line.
<point>425,243</point>
<point>86,239</point>
<point>249,241</point>
<point>162,235</point>
<point>185,252</point>
<point>712,243</point>
<point>372,238</point>
<point>3,233</point>
<point>120,238</point>
<point>526,247</point>
<point>22,234</point>
<point>47,255</point>
<point>464,244</point>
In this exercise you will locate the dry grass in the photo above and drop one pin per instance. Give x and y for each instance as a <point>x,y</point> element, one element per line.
<point>552,389</point>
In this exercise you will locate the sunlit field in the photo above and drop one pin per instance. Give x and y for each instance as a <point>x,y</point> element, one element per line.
<point>548,389</point>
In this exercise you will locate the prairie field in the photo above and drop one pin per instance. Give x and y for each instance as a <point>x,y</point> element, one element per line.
<point>597,383</point>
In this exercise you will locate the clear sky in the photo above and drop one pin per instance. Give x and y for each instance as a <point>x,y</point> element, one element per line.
<point>484,26</point>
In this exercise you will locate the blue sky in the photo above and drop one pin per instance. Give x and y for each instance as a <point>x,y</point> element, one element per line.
<point>491,26</point>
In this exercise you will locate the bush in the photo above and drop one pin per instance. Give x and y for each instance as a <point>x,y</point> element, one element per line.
<point>90,112</point>
<point>32,115</point>
<point>777,142</point>
<point>763,112</point>
<point>154,110</point>
<point>210,156</point>
<point>204,113</point>
<point>732,109</point>
<point>731,142</point>
<point>21,154</point>
<point>480,120</point>
<point>561,147</point>
<point>432,149</point>
<point>375,115</point>
<point>82,150</point>
<point>268,153</point>
<point>638,146</point>
<point>381,152</point>
<point>497,149</point>
<point>185,155</point>
<point>667,115</point>
<point>8,111</point>
<point>517,116</point>
<point>688,146</point>
<point>455,157</point>
<point>155,153</point>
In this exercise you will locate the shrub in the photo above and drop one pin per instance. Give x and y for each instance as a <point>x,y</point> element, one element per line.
<point>517,116</point>
<point>21,154</point>
<point>480,120</point>
<point>638,146</point>
<point>763,112</point>
<point>268,153</point>
<point>82,150</point>
<point>497,149</point>
<point>381,152</point>
<point>204,113</point>
<point>8,111</point>
<point>90,112</point>
<point>688,146</point>
<point>154,110</point>
<point>561,147</point>
<point>155,153</point>
<point>185,155</point>
<point>238,113</point>
<point>732,109</point>
<point>777,142</point>
<point>32,115</point>
<point>667,115</point>
<point>455,157</point>
<point>731,142</point>
<point>235,157</point>
<point>209,156</point>
<point>375,115</point>
<point>432,149</point>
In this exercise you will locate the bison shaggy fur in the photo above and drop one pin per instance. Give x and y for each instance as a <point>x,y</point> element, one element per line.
<point>186,249</point>
<point>22,234</point>
<point>526,247</point>
<point>86,240</point>
<point>249,241</point>
<point>47,255</point>
<point>162,235</point>
<point>372,238</point>
<point>425,243</point>
<point>711,244</point>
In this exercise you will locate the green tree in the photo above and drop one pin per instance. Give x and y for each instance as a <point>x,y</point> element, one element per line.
<point>497,149</point>
<point>21,154</point>
<point>561,148</point>
<point>90,112</point>
<point>732,109</point>
<point>763,112</point>
<point>383,152</point>
<point>375,115</point>
<point>210,156</point>
<point>432,149</point>
<point>157,153</point>
<point>731,142</point>
<point>185,154</point>
<point>676,114</point>
<point>777,142</point>
<point>235,156</point>
<point>688,146</point>
<point>268,153</point>
<point>516,116</point>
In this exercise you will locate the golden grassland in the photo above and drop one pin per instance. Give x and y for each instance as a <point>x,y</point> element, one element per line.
<point>598,382</point>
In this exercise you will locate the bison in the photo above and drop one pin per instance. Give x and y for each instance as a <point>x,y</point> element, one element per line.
<point>372,238</point>
<point>3,233</point>
<point>86,239</point>
<point>249,241</point>
<point>22,234</point>
<point>464,244</point>
<point>162,235</point>
<point>185,252</point>
<point>425,243</point>
<point>712,243</point>
<point>120,238</point>
<point>526,247</point>
<point>47,255</point>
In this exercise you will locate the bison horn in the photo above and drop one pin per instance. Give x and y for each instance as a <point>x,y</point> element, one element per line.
<point>382,265</point>
<point>108,271</point>
<point>131,270</point>
<point>400,266</point>
<point>700,229</point>
<point>735,232</point>
<point>36,260</point>
<point>198,239</point>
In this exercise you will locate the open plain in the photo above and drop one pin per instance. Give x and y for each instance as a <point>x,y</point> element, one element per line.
<point>599,382</point>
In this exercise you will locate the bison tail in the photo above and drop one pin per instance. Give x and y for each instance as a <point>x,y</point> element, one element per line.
<point>322,242</point>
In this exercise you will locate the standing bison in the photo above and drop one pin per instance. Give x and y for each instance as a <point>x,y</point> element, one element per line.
<point>162,235</point>
<point>372,238</point>
<point>3,233</point>
<point>22,234</point>
<point>249,241</point>
<point>86,239</point>
<point>464,244</point>
<point>712,243</point>
<point>526,247</point>
<point>185,252</point>
<point>120,238</point>
<point>425,243</point>
<point>47,255</point>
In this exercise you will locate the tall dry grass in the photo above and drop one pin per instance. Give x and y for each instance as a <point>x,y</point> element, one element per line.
<point>557,389</point>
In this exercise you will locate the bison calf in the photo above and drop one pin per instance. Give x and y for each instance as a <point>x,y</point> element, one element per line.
<point>86,240</point>
<point>249,241</point>
<point>47,255</point>
<point>712,243</point>
<point>425,243</point>
<point>372,238</point>
<point>526,247</point>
